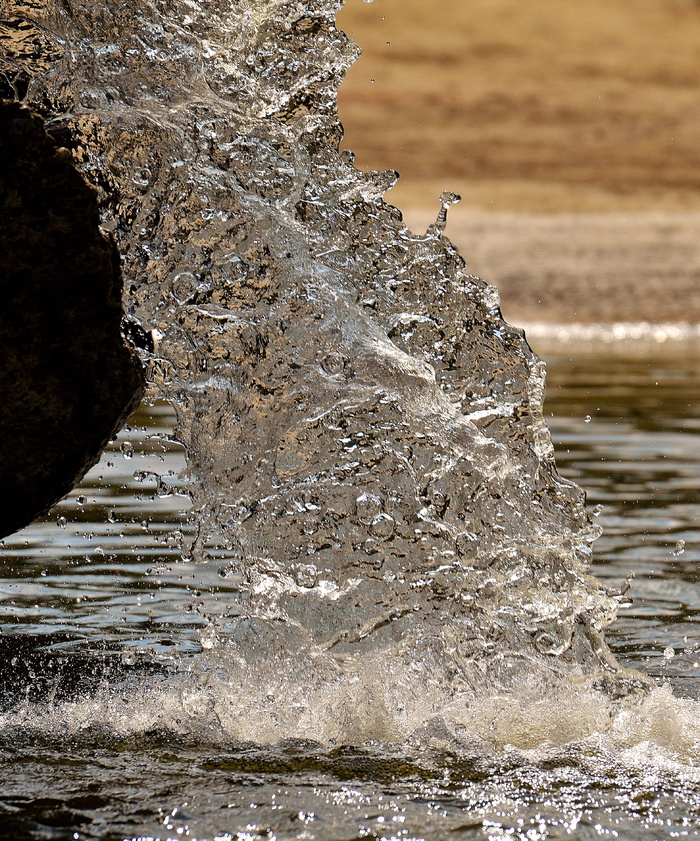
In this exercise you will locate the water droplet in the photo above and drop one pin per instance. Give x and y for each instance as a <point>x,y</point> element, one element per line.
<point>127,449</point>
<point>306,575</point>
<point>597,510</point>
<point>208,638</point>
<point>466,544</point>
<point>368,506</point>
<point>382,527</point>
<point>447,197</point>
<point>61,522</point>
<point>81,500</point>
<point>333,363</point>
<point>669,653</point>
<point>587,419</point>
<point>679,549</point>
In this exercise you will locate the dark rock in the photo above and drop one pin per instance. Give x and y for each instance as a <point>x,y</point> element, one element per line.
<point>68,380</point>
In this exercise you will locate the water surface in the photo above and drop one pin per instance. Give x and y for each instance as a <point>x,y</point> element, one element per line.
<point>627,429</point>
<point>96,595</point>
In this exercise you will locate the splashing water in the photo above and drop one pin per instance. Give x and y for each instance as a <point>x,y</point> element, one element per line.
<point>366,453</point>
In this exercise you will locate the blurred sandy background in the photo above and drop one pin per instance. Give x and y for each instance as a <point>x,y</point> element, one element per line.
<point>571,129</point>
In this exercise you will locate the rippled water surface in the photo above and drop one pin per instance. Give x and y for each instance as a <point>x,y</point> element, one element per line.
<point>627,429</point>
<point>97,596</point>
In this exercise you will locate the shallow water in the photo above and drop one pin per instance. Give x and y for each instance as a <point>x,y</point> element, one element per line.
<point>92,605</point>
<point>105,566</point>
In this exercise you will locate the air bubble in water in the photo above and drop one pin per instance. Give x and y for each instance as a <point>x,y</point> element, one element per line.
<point>306,575</point>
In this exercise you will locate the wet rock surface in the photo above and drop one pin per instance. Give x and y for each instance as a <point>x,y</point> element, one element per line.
<point>68,380</point>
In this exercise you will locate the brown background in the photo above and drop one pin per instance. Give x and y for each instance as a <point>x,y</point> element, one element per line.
<point>571,129</point>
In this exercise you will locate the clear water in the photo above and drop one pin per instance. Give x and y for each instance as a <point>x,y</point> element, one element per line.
<point>345,591</point>
<point>106,565</point>
<point>369,470</point>
<point>626,428</point>
<point>136,615</point>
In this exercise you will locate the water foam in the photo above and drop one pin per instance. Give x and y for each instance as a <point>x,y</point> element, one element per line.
<point>222,703</point>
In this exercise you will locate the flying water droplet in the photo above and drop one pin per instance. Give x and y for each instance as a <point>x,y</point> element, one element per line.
<point>669,653</point>
<point>127,449</point>
<point>447,198</point>
<point>679,548</point>
<point>306,576</point>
